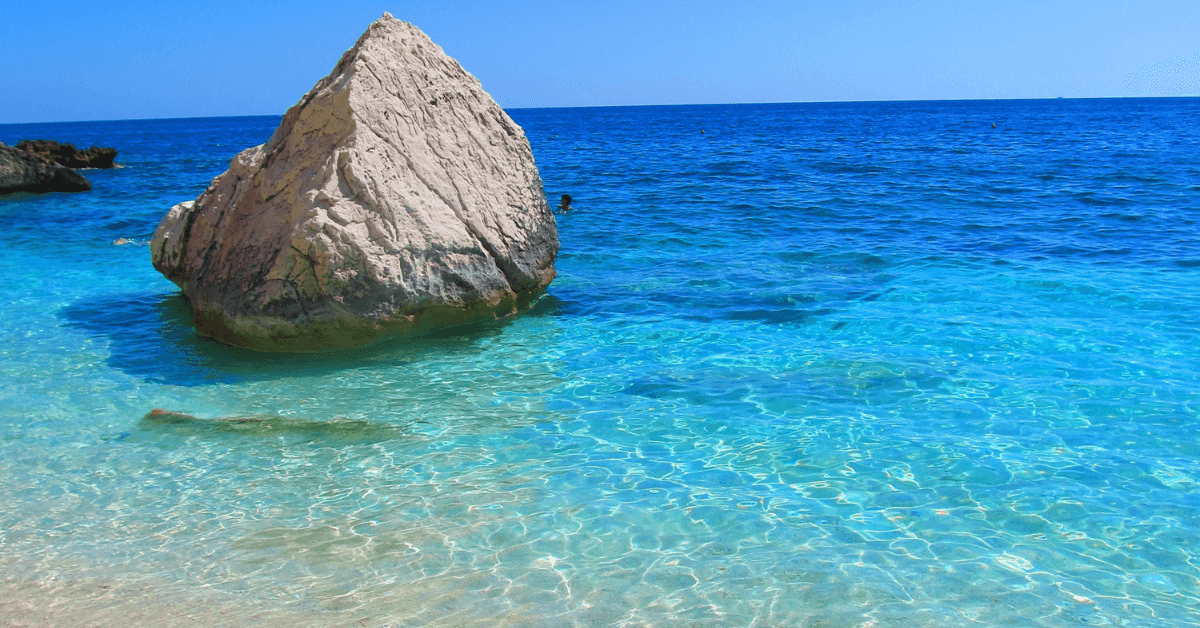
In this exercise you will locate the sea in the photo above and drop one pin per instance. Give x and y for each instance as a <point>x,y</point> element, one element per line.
<point>881,364</point>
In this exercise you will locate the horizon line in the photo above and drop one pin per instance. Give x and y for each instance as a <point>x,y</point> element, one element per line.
<point>712,104</point>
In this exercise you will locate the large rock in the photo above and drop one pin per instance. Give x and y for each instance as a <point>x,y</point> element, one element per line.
<point>69,156</point>
<point>394,198</point>
<point>23,172</point>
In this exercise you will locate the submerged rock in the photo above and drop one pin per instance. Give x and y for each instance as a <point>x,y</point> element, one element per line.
<point>69,156</point>
<point>395,197</point>
<point>344,430</point>
<point>23,172</point>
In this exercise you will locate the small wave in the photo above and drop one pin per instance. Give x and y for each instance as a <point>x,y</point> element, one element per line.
<point>1097,200</point>
<point>1123,217</point>
<point>777,316</point>
<point>796,256</point>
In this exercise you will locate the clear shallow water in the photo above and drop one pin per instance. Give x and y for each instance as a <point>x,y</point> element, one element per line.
<point>825,364</point>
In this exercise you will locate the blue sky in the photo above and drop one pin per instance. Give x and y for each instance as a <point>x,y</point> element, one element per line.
<point>126,60</point>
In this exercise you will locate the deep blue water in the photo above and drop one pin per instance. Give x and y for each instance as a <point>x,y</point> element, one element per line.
<point>803,364</point>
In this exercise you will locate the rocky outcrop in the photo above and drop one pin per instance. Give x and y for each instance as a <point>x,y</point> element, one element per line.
<point>69,156</point>
<point>23,172</point>
<point>394,198</point>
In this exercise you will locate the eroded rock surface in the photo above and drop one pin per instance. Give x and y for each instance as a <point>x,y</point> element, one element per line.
<point>23,172</point>
<point>395,197</point>
<point>69,156</point>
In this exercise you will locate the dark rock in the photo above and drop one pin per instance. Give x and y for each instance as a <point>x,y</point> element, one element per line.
<point>69,156</point>
<point>24,172</point>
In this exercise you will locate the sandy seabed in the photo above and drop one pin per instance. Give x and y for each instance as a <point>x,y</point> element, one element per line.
<point>67,602</point>
<point>26,603</point>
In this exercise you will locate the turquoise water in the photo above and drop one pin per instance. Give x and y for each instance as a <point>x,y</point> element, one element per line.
<point>817,365</point>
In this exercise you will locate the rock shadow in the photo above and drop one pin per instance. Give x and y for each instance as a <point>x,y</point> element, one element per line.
<point>151,336</point>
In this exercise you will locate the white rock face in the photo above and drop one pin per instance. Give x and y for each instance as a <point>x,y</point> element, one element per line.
<point>395,197</point>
